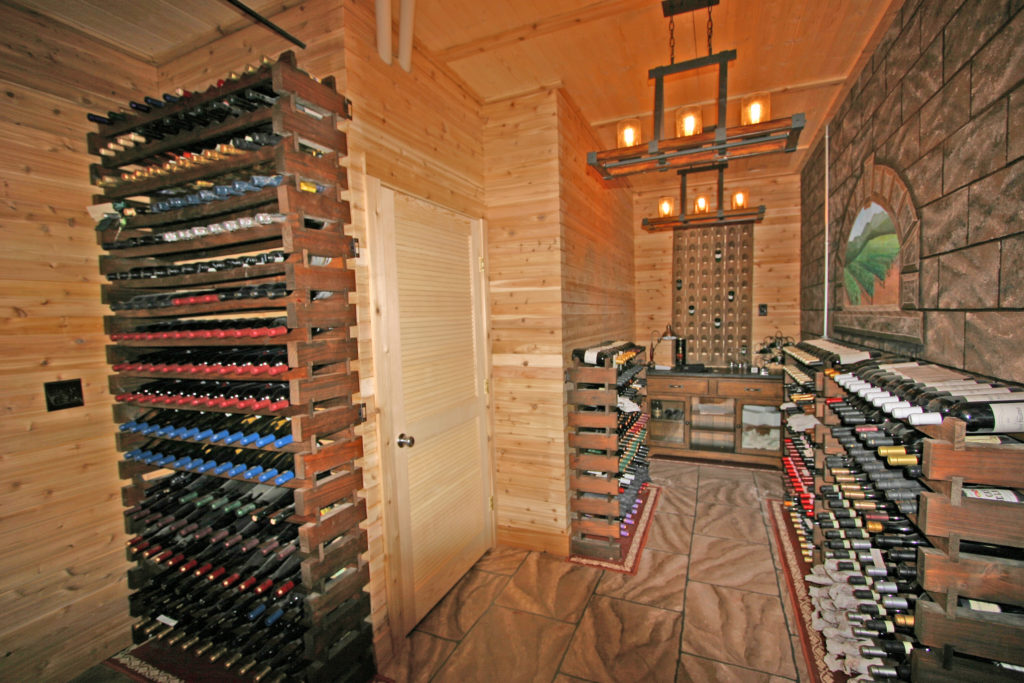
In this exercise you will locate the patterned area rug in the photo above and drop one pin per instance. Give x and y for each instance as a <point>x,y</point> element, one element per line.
<point>635,542</point>
<point>156,662</point>
<point>794,568</point>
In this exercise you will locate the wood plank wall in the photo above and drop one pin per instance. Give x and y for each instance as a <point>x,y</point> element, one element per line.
<point>62,563</point>
<point>521,175</point>
<point>776,256</point>
<point>418,132</point>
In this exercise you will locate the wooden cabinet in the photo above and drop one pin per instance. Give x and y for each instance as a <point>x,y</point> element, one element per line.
<point>236,249</point>
<point>715,416</point>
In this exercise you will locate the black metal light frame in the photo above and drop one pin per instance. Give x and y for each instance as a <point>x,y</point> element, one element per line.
<point>721,216</point>
<point>691,152</point>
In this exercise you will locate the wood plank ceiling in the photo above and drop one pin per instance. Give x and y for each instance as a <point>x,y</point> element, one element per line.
<point>599,50</point>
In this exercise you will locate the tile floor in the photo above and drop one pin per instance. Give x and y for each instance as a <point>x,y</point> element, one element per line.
<point>704,605</point>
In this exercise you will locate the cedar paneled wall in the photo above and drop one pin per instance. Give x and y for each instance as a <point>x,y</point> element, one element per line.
<point>418,132</point>
<point>62,563</point>
<point>597,236</point>
<point>776,256</point>
<point>524,252</point>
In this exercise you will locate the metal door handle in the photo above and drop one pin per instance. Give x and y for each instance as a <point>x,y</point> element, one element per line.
<point>404,440</point>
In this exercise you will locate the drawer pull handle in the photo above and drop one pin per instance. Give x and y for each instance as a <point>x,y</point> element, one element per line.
<point>752,389</point>
<point>676,386</point>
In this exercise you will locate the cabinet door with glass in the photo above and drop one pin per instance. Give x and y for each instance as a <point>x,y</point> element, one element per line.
<point>759,428</point>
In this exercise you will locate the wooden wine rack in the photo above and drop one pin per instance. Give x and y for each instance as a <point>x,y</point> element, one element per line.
<point>594,461</point>
<point>946,573</point>
<point>712,271</point>
<point>321,349</point>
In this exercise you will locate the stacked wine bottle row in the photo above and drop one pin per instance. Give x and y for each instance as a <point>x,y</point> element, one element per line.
<point>233,358</point>
<point>609,460</point>
<point>916,526</point>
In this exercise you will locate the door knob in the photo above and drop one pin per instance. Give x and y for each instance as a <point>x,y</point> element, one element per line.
<point>404,441</point>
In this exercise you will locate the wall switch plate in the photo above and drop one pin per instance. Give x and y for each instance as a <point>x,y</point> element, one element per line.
<point>63,394</point>
<point>762,309</point>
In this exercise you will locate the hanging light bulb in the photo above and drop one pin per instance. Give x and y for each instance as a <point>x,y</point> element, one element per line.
<point>756,109</point>
<point>666,206</point>
<point>629,133</point>
<point>689,122</point>
<point>701,204</point>
<point>739,199</point>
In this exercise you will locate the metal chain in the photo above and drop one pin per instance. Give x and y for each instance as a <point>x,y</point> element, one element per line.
<point>671,40</point>
<point>711,28</point>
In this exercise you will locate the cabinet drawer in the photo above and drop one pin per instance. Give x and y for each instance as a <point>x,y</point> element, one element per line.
<point>667,386</point>
<point>753,389</point>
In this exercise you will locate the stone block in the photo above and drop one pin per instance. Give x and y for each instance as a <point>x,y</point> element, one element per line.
<point>1011,273</point>
<point>909,284</point>
<point>923,79</point>
<point>969,278</point>
<point>947,111</point>
<point>929,284</point>
<point>996,204</point>
<point>870,98</point>
<point>890,115</point>
<point>999,65</point>
<point>935,16</point>
<point>903,148</point>
<point>904,51</point>
<point>992,344</point>
<point>969,30</point>
<point>944,337</point>
<point>976,150</point>
<point>924,177</point>
<point>1015,125</point>
<point>944,224</point>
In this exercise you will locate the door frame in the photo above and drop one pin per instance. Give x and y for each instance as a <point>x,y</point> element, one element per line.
<point>384,329</point>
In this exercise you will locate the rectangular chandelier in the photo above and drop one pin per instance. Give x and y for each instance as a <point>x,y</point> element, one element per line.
<point>690,152</point>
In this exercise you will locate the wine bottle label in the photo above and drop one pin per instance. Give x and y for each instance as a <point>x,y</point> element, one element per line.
<point>1002,495</point>
<point>164,619</point>
<point>982,606</point>
<point>1008,417</point>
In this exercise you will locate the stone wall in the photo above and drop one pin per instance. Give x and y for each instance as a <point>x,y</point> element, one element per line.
<point>941,104</point>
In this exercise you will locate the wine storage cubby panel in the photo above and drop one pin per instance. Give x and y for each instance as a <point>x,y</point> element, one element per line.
<point>712,273</point>
<point>608,445</point>
<point>232,352</point>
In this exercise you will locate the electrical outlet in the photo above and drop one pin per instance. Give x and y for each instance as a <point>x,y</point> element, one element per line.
<point>63,394</point>
<point>762,309</point>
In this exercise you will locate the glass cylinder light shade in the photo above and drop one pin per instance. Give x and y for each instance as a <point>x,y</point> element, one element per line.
<point>740,199</point>
<point>757,108</point>
<point>666,207</point>
<point>628,133</point>
<point>689,122</point>
<point>701,204</point>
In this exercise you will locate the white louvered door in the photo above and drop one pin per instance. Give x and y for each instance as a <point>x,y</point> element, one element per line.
<point>431,366</point>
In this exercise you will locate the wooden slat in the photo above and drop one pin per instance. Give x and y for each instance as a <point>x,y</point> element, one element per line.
<point>993,465</point>
<point>971,576</point>
<point>986,521</point>
<point>998,636</point>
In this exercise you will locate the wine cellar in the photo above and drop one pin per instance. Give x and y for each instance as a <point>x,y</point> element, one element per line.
<point>394,341</point>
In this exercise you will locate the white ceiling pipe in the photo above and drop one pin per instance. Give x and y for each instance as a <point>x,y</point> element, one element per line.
<point>405,34</point>
<point>384,30</point>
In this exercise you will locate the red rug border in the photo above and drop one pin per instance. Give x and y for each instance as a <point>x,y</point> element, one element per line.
<point>789,560</point>
<point>639,542</point>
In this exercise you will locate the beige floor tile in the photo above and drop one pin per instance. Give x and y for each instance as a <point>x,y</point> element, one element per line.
<point>660,581</point>
<point>508,645</point>
<point>732,563</point>
<point>803,674</point>
<point>737,627</point>
<point>726,472</point>
<point>730,521</point>
<point>700,670</point>
<point>672,473</point>
<point>670,532</point>
<point>502,560</point>
<point>420,656</point>
<point>770,484</point>
<point>727,491</point>
<point>551,587</point>
<point>622,641</point>
<point>462,606</point>
<point>676,501</point>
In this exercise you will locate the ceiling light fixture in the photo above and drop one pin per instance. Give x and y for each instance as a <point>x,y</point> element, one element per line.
<point>693,147</point>
<point>702,215</point>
